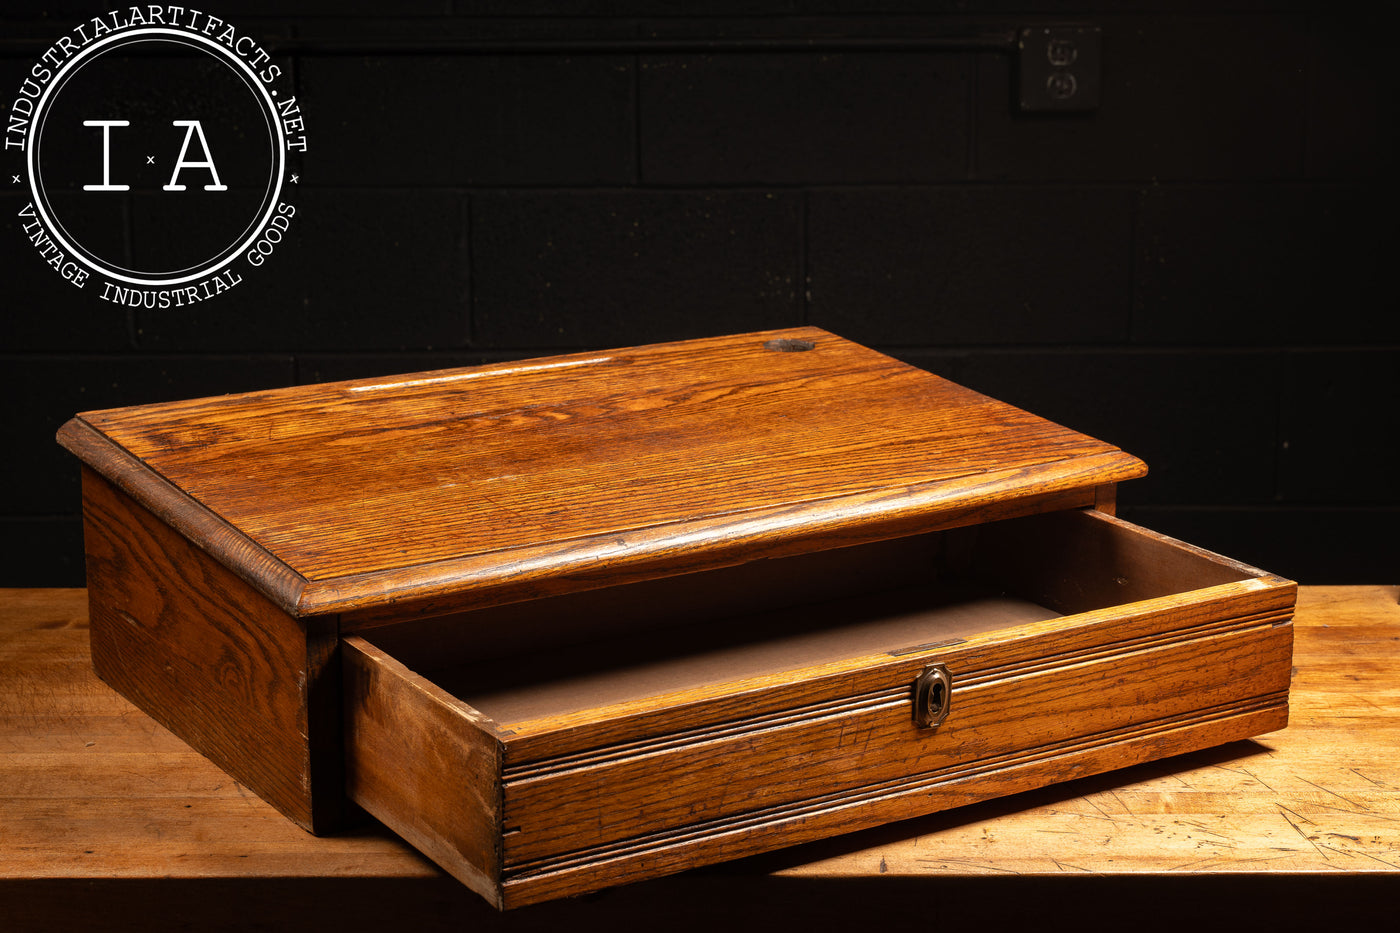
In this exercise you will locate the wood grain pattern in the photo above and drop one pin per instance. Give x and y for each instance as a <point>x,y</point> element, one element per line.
<point>519,480</point>
<point>240,540</point>
<point>1154,570</point>
<point>1319,799</point>
<point>842,753</point>
<point>716,770</point>
<point>210,533</point>
<point>105,813</point>
<point>223,668</point>
<point>1052,641</point>
<point>660,856</point>
<point>92,788</point>
<point>424,763</point>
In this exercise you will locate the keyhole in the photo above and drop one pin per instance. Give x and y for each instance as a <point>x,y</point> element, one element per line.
<point>935,700</point>
<point>933,696</point>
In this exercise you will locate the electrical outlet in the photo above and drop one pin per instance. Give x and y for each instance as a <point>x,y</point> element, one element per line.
<point>1059,68</point>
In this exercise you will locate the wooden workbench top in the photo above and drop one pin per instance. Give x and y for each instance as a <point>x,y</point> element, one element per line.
<point>108,822</point>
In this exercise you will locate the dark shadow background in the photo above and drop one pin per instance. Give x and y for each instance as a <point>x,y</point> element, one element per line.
<point>1199,271</point>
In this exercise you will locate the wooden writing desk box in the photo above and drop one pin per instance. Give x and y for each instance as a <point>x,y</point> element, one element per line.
<point>573,622</point>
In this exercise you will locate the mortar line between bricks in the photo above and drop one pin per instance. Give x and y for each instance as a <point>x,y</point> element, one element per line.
<point>274,354</point>
<point>637,174</point>
<point>1137,263</point>
<point>1002,42</point>
<point>804,291</point>
<point>974,100</point>
<point>469,259</point>
<point>900,186</point>
<point>1261,507</point>
<point>1280,367</point>
<point>1120,349</point>
<point>133,317</point>
<point>277,355</point>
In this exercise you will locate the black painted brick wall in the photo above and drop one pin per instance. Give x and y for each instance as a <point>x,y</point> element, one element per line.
<point>1199,271</point>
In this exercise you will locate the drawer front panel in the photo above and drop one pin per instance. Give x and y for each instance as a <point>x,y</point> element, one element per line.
<point>556,810</point>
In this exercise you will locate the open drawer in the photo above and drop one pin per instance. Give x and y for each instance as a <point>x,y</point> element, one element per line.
<point>565,744</point>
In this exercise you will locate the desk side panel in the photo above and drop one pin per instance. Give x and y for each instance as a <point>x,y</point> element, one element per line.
<point>213,660</point>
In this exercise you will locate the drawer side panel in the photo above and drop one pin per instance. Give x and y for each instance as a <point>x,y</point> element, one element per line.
<point>424,764</point>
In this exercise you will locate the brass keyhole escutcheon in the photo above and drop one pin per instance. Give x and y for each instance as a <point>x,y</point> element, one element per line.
<point>933,696</point>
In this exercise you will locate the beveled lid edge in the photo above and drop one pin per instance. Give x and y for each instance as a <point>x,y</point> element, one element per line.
<point>381,597</point>
<point>251,562</point>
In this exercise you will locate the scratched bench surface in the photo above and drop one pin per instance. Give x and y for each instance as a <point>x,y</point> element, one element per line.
<point>93,788</point>
<point>1321,796</point>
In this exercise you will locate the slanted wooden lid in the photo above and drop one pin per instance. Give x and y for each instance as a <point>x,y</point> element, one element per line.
<point>380,498</point>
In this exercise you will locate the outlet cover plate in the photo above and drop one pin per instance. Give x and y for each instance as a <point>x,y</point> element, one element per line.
<point>1059,68</point>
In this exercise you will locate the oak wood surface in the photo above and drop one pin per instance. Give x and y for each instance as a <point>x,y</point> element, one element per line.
<point>832,748</point>
<point>414,753</point>
<point>104,813</point>
<point>228,671</point>
<point>859,749</point>
<point>216,537</point>
<point>514,480</point>
<point>674,641</point>
<point>1052,642</point>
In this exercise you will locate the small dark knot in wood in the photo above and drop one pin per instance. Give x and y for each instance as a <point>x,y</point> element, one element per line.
<point>789,345</point>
